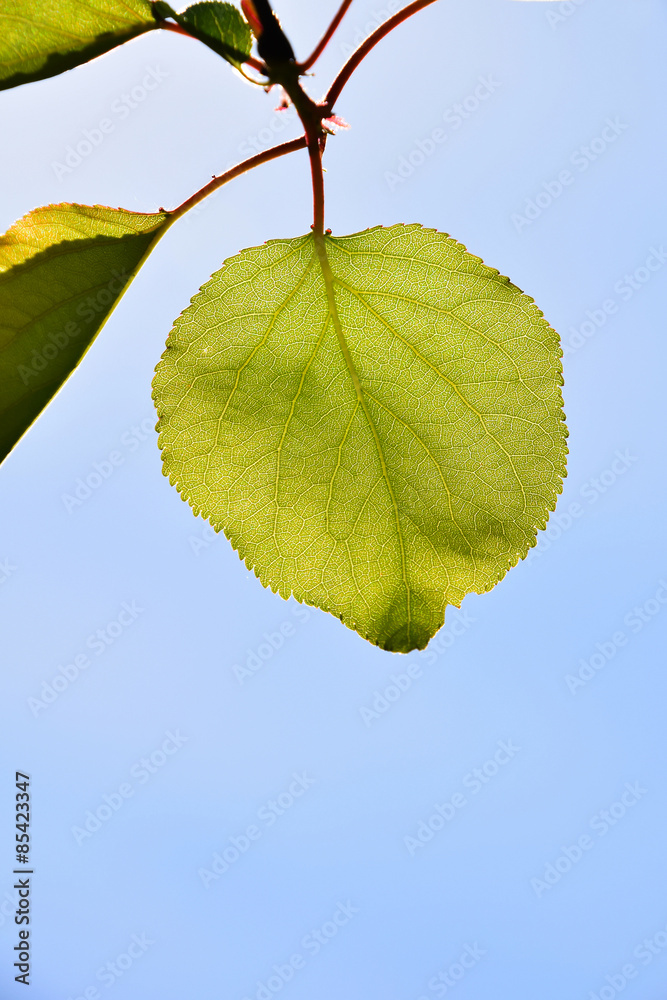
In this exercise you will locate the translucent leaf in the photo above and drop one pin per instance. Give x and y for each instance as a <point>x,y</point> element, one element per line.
<point>378,435</point>
<point>41,38</point>
<point>62,270</point>
<point>221,27</point>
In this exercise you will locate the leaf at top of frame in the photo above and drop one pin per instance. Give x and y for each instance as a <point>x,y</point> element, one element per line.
<point>41,38</point>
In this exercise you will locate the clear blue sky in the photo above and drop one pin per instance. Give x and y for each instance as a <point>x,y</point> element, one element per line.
<point>262,838</point>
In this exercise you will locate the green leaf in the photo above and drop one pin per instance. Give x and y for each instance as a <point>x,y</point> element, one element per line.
<point>378,435</point>
<point>62,270</point>
<point>221,27</point>
<point>41,38</point>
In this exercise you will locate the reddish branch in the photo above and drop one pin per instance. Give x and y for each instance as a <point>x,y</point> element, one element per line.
<point>315,150</point>
<point>286,73</point>
<point>366,46</point>
<point>171,26</point>
<point>326,38</point>
<point>311,115</point>
<point>240,168</point>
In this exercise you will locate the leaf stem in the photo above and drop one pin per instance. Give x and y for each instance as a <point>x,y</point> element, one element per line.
<point>171,26</point>
<point>366,46</point>
<point>311,115</point>
<point>315,149</point>
<point>287,74</point>
<point>326,38</point>
<point>240,168</point>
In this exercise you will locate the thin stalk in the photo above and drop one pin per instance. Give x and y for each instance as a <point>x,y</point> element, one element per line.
<point>326,38</point>
<point>366,46</point>
<point>170,26</point>
<point>230,175</point>
<point>311,115</point>
<point>315,154</point>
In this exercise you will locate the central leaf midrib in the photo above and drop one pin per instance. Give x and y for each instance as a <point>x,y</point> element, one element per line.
<point>289,420</point>
<point>329,279</point>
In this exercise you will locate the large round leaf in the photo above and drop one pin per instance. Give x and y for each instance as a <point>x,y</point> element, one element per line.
<point>377,435</point>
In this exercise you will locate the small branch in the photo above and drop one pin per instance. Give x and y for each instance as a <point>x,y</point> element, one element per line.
<point>240,168</point>
<point>326,37</point>
<point>366,46</point>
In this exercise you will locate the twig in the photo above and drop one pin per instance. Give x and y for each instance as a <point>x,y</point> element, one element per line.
<point>366,46</point>
<point>326,38</point>
<point>240,168</point>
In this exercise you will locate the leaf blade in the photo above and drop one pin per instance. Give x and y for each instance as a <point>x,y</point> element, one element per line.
<point>221,27</point>
<point>376,451</point>
<point>63,268</point>
<point>41,38</point>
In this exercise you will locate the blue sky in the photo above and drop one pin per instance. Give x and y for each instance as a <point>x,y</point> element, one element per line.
<point>484,819</point>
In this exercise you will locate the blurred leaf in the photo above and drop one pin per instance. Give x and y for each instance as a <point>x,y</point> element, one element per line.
<point>62,270</point>
<point>41,38</point>
<point>378,432</point>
